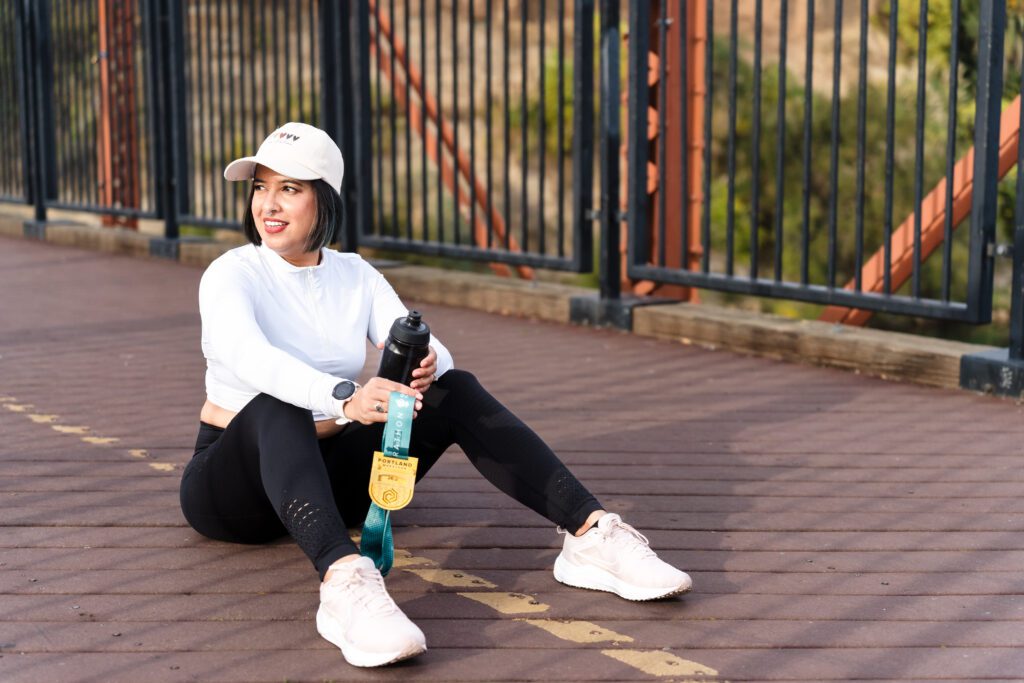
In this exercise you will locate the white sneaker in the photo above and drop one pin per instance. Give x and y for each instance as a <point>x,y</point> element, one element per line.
<point>613,556</point>
<point>357,614</point>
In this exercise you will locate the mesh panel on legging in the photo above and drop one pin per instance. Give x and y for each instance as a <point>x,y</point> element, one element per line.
<point>311,525</point>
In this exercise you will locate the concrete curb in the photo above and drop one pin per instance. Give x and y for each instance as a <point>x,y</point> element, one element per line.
<point>902,357</point>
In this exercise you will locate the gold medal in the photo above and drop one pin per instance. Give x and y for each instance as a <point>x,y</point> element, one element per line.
<point>392,481</point>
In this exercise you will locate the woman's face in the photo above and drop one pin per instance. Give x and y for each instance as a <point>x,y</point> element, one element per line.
<point>284,210</point>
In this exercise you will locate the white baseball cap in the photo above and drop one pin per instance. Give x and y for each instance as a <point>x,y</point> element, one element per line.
<point>298,151</point>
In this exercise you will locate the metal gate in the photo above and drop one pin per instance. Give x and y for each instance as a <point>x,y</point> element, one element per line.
<point>710,165</point>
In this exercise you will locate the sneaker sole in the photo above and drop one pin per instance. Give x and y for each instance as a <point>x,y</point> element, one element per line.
<point>597,579</point>
<point>361,658</point>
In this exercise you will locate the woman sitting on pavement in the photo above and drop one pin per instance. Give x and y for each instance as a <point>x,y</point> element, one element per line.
<point>286,435</point>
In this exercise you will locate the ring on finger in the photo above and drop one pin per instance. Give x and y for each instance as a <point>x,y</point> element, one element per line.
<point>379,407</point>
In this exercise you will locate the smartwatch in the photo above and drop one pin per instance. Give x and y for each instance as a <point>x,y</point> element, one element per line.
<point>343,391</point>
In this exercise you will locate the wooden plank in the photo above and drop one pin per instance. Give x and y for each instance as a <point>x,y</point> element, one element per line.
<point>544,538</point>
<point>564,603</point>
<point>519,517</point>
<point>169,481</point>
<point>460,664</point>
<point>497,500</point>
<point>167,581</point>
<point>501,633</point>
<point>921,490</point>
<point>727,468</point>
<point>55,485</point>
<point>246,558</point>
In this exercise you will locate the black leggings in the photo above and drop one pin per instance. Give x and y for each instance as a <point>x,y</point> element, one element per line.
<point>268,475</point>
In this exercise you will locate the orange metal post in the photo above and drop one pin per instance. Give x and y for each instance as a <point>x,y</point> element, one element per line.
<point>117,140</point>
<point>933,218</point>
<point>677,199</point>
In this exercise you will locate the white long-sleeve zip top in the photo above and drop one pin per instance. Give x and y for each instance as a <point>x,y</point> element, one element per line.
<point>292,332</point>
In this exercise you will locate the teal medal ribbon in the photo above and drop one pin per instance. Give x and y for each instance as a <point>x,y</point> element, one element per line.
<point>391,482</point>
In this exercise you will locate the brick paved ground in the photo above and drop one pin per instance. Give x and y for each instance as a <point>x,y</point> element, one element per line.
<point>836,527</point>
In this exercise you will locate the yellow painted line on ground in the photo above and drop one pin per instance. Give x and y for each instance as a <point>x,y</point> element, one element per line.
<point>661,663</point>
<point>403,558</point>
<point>78,430</point>
<point>100,440</point>
<point>652,662</point>
<point>451,578</point>
<point>578,631</point>
<point>427,569</point>
<point>508,603</point>
<point>70,429</point>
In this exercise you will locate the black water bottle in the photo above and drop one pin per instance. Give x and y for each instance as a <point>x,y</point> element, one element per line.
<point>407,345</point>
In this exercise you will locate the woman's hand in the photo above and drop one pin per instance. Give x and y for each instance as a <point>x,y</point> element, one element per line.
<point>425,374</point>
<point>370,402</point>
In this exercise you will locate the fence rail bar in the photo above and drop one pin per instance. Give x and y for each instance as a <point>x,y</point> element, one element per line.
<point>816,294</point>
<point>104,209</point>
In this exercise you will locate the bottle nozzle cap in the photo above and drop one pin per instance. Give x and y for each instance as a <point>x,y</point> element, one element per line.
<point>411,330</point>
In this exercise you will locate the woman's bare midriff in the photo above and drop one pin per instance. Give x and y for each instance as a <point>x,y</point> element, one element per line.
<point>214,415</point>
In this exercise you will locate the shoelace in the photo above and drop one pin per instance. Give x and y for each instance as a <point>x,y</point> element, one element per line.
<point>634,541</point>
<point>367,587</point>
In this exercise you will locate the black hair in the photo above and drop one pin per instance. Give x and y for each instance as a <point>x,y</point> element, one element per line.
<point>330,215</point>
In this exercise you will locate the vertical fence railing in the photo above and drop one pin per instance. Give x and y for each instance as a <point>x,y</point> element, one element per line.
<point>39,59</point>
<point>1016,343</point>
<point>170,115</point>
<point>609,267</point>
<point>336,107</point>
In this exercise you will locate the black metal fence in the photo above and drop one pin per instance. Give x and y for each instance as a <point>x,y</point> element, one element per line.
<point>480,130</point>
<point>469,131</point>
<point>811,178</point>
<point>248,66</point>
<point>101,107</point>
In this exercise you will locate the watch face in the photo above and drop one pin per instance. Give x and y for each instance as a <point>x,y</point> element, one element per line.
<point>343,390</point>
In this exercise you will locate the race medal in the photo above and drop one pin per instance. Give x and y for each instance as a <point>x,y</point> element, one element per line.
<point>392,480</point>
